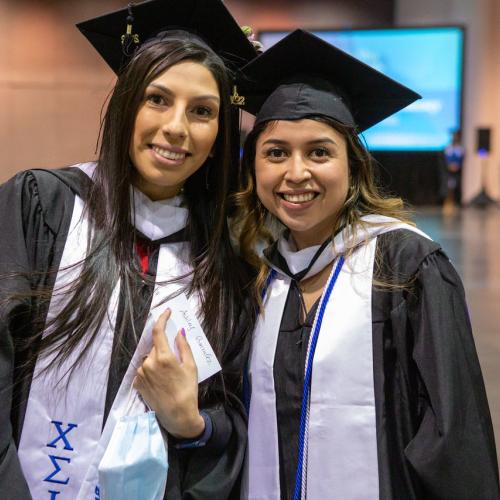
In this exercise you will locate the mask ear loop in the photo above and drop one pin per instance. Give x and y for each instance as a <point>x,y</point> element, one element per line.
<point>132,397</point>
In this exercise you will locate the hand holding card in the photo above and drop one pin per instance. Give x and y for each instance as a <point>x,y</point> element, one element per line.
<point>180,358</point>
<point>168,383</point>
<point>182,316</point>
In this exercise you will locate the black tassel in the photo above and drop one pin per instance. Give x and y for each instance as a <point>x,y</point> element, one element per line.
<point>130,41</point>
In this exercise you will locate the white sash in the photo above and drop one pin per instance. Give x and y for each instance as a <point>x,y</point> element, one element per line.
<point>63,421</point>
<point>342,442</point>
<point>61,443</point>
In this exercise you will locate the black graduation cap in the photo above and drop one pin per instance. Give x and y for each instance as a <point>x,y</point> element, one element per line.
<point>303,75</point>
<point>209,19</point>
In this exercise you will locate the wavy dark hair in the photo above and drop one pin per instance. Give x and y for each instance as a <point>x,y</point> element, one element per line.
<point>218,276</point>
<point>364,196</point>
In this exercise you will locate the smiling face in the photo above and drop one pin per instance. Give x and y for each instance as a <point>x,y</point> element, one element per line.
<point>175,128</point>
<point>302,177</point>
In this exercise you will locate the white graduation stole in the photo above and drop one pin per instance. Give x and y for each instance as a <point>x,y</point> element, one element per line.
<point>63,421</point>
<point>341,438</point>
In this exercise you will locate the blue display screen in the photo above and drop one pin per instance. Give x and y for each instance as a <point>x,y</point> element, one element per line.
<point>427,60</point>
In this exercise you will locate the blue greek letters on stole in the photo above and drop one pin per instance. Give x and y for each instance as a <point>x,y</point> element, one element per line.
<point>60,442</point>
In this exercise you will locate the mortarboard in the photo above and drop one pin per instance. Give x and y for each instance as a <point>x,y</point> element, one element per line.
<point>208,19</point>
<point>303,75</point>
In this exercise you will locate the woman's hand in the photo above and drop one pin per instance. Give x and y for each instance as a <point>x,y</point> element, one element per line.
<point>170,386</point>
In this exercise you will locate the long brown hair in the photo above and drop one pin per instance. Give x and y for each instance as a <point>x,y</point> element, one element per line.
<point>364,196</point>
<point>218,276</point>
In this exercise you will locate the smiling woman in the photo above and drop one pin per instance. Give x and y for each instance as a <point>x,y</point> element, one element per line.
<point>364,377</point>
<point>175,128</point>
<point>95,250</point>
<point>302,177</point>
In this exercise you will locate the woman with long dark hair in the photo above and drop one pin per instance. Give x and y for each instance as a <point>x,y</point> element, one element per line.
<point>90,252</point>
<point>364,380</point>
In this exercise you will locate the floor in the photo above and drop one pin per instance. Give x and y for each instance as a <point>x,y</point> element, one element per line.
<point>471,238</point>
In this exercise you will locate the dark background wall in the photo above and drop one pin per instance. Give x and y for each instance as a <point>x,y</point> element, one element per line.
<point>415,176</point>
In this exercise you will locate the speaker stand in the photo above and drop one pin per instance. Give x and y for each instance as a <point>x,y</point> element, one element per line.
<point>483,199</point>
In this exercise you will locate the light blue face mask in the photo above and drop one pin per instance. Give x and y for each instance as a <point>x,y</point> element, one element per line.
<point>134,465</point>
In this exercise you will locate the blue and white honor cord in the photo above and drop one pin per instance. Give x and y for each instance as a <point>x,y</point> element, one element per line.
<point>301,475</point>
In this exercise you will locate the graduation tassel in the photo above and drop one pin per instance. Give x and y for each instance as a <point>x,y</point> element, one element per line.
<point>237,99</point>
<point>130,41</point>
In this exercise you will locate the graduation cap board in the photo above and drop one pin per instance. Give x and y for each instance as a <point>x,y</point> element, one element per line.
<point>209,19</point>
<point>303,75</point>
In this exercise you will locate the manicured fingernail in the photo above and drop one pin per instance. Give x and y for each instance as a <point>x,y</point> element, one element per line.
<point>183,332</point>
<point>167,310</point>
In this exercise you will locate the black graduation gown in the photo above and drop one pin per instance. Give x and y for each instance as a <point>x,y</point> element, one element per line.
<point>434,433</point>
<point>35,214</point>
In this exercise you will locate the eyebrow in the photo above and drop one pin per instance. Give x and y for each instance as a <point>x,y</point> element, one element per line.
<point>321,140</point>
<point>166,90</point>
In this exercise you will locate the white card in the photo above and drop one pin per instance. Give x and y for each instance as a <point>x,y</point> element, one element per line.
<point>183,317</point>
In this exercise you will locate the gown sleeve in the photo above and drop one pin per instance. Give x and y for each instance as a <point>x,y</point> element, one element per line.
<point>453,451</point>
<point>20,218</point>
<point>211,472</point>
<point>35,212</point>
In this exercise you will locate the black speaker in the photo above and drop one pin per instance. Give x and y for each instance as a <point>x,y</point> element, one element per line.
<point>483,140</point>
